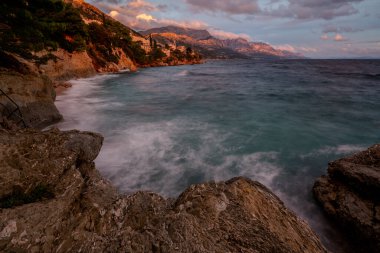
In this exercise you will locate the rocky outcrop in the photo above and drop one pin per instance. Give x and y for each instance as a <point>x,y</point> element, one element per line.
<point>350,194</point>
<point>125,63</point>
<point>33,93</point>
<point>67,65</point>
<point>53,200</point>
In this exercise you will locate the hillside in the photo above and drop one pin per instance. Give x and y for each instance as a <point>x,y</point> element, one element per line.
<point>211,47</point>
<point>46,42</point>
<point>36,30</point>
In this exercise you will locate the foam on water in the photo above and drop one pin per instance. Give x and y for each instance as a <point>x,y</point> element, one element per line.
<point>80,104</point>
<point>182,73</point>
<point>149,156</point>
<point>345,149</point>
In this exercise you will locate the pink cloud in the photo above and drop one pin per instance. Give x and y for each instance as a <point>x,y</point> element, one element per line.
<point>231,7</point>
<point>325,37</point>
<point>339,38</point>
<point>228,35</point>
<point>296,49</point>
<point>312,9</point>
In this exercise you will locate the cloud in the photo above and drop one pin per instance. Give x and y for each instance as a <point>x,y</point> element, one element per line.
<point>340,29</point>
<point>286,47</point>
<point>294,49</point>
<point>312,9</point>
<point>114,14</point>
<point>145,17</point>
<point>228,35</point>
<point>226,6</point>
<point>136,14</point>
<point>144,21</point>
<point>131,5</point>
<point>339,38</point>
<point>297,9</point>
<point>141,5</point>
<point>325,37</point>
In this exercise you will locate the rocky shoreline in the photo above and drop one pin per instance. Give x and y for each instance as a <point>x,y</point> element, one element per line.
<point>54,200</point>
<point>350,195</point>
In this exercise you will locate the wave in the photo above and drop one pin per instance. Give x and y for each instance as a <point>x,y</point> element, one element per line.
<point>161,157</point>
<point>81,104</point>
<point>192,73</point>
<point>353,75</point>
<point>344,149</point>
<point>182,73</point>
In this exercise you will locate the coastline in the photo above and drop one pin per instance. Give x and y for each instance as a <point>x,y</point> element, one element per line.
<point>82,181</point>
<point>61,86</point>
<point>106,74</point>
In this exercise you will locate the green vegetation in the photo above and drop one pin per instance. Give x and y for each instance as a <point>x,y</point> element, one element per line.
<point>40,24</point>
<point>29,26</point>
<point>18,198</point>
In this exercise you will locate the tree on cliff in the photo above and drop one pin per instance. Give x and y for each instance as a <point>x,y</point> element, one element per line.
<point>31,26</point>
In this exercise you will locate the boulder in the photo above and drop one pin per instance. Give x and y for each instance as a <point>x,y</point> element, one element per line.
<point>54,200</point>
<point>350,194</point>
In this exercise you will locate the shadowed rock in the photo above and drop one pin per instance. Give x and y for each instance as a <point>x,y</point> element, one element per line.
<point>33,93</point>
<point>80,211</point>
<point>350,194</point>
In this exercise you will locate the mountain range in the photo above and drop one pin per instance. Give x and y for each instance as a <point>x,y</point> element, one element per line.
<point>212,47</point>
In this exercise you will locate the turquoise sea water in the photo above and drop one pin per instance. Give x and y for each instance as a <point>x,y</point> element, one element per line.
<point>278,122</point>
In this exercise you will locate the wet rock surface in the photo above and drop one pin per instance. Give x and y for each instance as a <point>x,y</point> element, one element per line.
<point>69,207</point>
<point>350,194</point>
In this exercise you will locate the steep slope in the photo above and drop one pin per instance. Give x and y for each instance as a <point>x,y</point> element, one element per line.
<point>212,47</point>
<point>56,40</point>
<point>192,33</point>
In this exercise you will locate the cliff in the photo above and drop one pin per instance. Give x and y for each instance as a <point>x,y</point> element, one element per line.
<point>349,194</point>
<point>33,93</point>
<point>45,42</point>
<point>52,199</point>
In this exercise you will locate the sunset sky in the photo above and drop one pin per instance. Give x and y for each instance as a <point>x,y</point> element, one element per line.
<point>315,28</point>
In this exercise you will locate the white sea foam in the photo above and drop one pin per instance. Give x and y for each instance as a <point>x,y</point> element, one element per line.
<point>260,166</point>
<point>337,150</point>
<point>151,156</point>
<point>80,107</point>
<point>182,73</point>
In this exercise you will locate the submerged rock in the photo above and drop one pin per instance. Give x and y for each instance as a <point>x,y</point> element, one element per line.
<point>350,194</point>
<point>53,200</point>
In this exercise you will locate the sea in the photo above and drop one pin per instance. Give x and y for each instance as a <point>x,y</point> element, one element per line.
<point>275,121</point>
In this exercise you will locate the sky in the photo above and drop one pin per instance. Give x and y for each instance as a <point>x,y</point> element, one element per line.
<point>315,28</point>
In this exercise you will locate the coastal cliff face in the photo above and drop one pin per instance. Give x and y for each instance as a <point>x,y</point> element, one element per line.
<point>52,199</point>
<point>67,65</point>
<point>33,93</point>
<point>77,41</point>
<point>350,195</point>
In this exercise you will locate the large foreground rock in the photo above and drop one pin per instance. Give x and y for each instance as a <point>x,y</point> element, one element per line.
<point>53,200</point>
<point>350,194</point>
